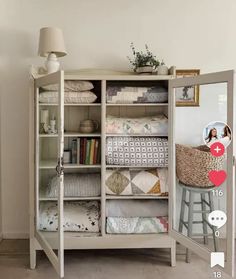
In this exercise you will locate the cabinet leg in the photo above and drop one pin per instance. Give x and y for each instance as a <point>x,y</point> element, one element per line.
<point>32,254</point>
<point>173,255</point>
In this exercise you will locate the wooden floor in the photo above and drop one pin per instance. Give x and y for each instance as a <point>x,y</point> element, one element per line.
<point>101,264</point>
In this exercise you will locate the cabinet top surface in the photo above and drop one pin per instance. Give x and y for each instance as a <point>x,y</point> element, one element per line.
<point>99,74</point>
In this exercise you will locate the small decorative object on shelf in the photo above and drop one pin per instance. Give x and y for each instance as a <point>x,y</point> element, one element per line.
<point>44,121</point>
<point>162,69</point>
<point>143,63</point>
<point>88,126</point>
<point>52,127</point>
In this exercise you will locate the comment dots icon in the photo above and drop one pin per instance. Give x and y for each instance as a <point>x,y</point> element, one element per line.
<point>217,218</point>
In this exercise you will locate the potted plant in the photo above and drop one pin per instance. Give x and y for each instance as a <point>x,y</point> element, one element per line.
<point>143,62</point>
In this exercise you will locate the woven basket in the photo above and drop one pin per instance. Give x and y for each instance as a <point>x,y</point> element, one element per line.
<point>194,163</point>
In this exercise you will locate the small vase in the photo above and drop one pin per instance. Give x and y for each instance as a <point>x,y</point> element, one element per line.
<point>162,70</point>
<point>145,70</point>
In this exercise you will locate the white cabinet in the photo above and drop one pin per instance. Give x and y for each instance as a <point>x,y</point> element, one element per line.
<point>46,157</point>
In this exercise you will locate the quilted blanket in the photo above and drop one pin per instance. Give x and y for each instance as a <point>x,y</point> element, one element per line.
<point>120,94</point>
<point>136,182</point>
<point>136,225</point>
<point>137,151</point>
<point>157,125</point>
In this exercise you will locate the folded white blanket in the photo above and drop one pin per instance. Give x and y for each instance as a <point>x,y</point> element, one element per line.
<point>71,85</point>
<point>76,185</point>
<point>136,208</point>
<point>69,97</point>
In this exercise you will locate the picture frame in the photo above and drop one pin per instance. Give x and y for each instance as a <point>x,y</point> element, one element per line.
<point>187,96</point>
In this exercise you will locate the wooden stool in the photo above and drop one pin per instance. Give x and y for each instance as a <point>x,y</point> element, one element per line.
<point>206,207</point>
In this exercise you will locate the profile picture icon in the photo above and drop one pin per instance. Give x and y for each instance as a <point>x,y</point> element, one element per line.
<point>217,131</point>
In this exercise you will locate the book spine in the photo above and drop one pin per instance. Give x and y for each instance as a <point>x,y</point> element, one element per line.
<point>78,150</point>
<point>95,158</point>
<point>81,150</point>
<point>92,151</point>
<point>74,151</point>
<point>84,150</point>
<point>87,152</point>
<point>99,152</point>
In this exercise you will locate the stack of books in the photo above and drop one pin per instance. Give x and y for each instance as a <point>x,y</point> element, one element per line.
<point>86,151</point>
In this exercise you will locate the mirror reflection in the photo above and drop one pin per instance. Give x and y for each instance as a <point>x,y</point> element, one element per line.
<point>196,194</point>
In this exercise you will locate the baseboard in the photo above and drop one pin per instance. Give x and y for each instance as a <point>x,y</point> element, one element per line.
<point>15,235</point>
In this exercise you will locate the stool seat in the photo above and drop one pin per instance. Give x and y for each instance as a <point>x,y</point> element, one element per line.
<point>207,206</point>
<point>196,189</point>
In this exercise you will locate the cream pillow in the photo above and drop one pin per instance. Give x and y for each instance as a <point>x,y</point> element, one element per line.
<point>86,97</point>
<point>71,85</point>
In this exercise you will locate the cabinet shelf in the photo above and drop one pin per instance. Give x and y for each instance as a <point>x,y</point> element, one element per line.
<point>135,135</point>
<point>70,105</point>
<point>71,135</point>
<point>147,197</point>
<point>132,167</point>
<point>51,164</point>
<point>44,198</point>
<point>138,105</point>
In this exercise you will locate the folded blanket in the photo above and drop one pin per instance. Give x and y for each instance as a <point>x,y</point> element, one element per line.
<point>136,225</point>
<point>69,97</point>
<point>71,85</point>
<point>78,216</point>
<point>76,185</point>
<point>157,125</point>
<point>137,182</point>
<point>137,151</point>
<point>119,94</point>
<point>136,208</point>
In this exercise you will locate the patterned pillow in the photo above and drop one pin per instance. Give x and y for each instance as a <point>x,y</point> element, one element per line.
<point>78,216</point>
<point>137,151</point>
<point>136,182</point>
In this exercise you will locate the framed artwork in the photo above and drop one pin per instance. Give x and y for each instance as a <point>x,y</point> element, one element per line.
<point>187,96</point>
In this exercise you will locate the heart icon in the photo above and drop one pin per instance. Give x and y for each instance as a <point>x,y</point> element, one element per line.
<point>217,177</point>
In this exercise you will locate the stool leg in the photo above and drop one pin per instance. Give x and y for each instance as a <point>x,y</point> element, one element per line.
<point>204,218</point>
<point>190,222</point>
<point>181,217</point>
<point>215,240</point>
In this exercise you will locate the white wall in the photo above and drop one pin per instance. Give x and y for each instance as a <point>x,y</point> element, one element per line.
<point>189,34</point>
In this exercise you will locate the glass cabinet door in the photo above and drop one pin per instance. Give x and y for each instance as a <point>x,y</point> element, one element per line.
<point>49,146</point>
<point>202,186</point>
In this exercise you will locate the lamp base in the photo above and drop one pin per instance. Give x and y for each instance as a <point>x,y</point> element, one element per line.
<point>52,64</point>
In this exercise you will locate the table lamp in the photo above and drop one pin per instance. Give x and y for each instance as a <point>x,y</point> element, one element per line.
<point>51,45</point>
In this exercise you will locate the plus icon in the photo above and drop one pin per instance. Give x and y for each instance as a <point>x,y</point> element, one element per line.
<point>217,149</point>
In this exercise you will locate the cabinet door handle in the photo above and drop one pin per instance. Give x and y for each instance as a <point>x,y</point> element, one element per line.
<point>60,167</point>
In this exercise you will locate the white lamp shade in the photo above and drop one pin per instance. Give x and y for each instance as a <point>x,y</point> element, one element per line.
<point>51,41</point>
